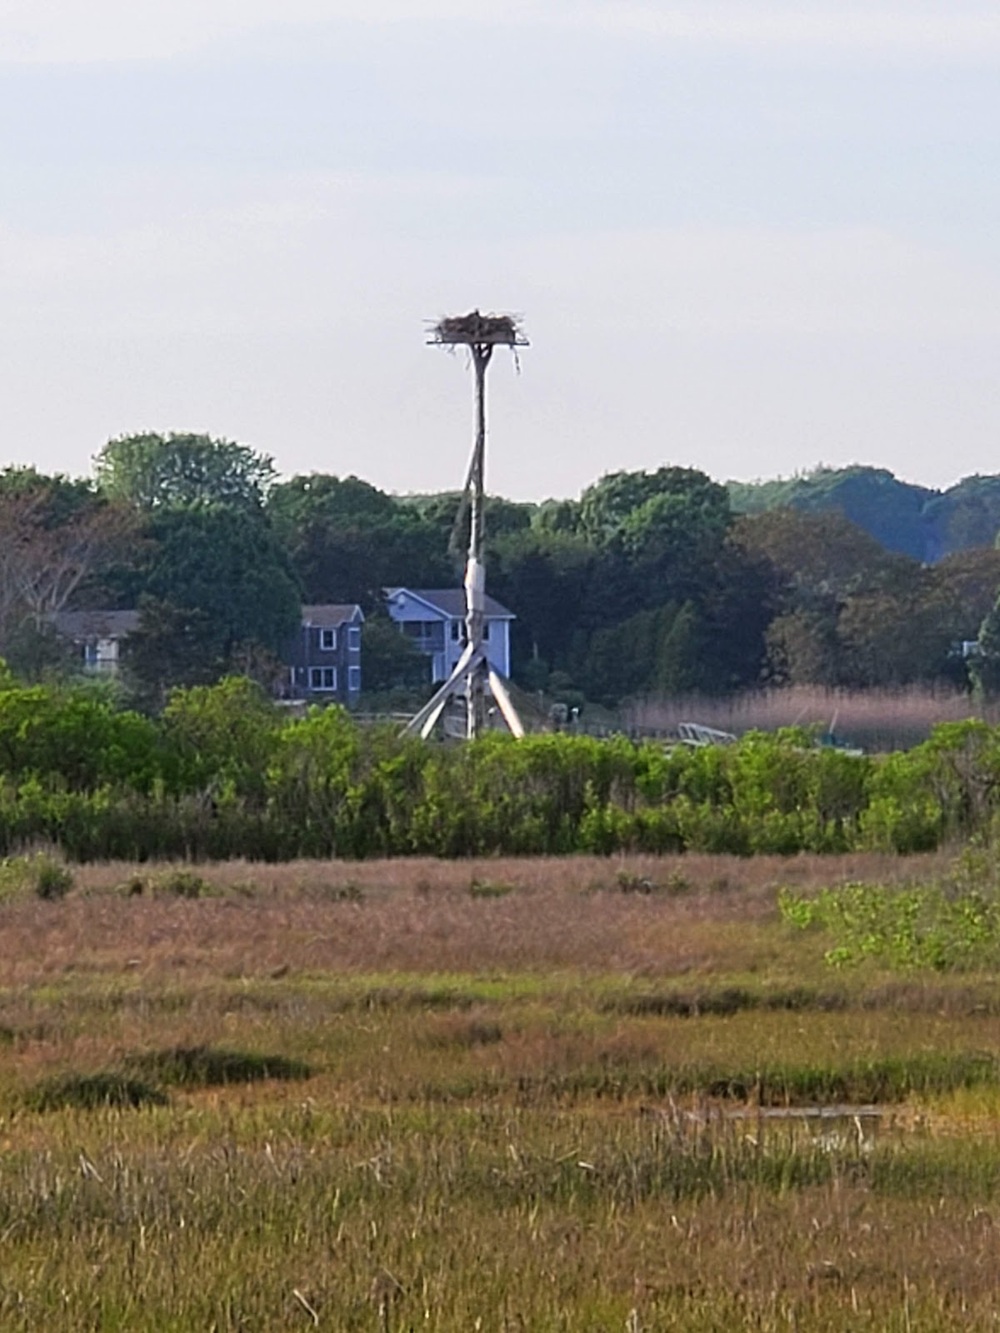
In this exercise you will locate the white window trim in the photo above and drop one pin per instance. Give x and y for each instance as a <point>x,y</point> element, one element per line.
<point>354,678</point>
<point>328,640</point>
<point>317,680</point>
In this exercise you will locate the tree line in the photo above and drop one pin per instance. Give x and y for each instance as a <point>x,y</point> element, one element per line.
<point>648,583</point>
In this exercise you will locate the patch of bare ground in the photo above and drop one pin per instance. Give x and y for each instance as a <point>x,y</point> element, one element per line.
<point>639,915</point>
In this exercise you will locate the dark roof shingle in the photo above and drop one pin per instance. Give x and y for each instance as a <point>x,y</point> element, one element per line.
<point>95,624</point>
<point>329,615</point>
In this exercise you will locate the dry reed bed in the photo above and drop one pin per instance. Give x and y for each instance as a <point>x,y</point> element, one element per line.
<point>640,915</point>
<point>878,719</point>
<point>568,874</point>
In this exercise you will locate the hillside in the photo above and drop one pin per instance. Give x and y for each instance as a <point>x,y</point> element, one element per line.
<point>917,521</point>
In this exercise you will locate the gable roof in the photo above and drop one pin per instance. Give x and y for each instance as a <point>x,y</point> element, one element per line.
<point>95,624</point>
<point>329,615</point>
<point>451,602</point>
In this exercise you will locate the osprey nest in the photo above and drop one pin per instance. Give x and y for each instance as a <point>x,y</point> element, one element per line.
<point>478,328</point>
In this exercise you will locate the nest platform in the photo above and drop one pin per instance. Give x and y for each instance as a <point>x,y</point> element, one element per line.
<point>474,327</point>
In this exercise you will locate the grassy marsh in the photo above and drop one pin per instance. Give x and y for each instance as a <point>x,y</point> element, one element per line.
<point>412,1104</point>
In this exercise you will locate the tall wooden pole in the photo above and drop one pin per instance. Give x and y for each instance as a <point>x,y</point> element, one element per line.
<point>475,572</point>
<point>480,333</point>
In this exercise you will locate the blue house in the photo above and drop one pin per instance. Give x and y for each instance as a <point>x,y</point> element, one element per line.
<point>434,619</point>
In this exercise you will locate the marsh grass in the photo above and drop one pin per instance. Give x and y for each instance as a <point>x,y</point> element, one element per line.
<point>548,1109</point>
<point>524,1219</point>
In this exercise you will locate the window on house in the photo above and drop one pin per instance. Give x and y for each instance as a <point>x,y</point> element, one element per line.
<point>354,638</point>
<point>328,639</point>
<point>486,629</point>
<point>456,630</point>
<point>322,678</point>
<point>354,678</point>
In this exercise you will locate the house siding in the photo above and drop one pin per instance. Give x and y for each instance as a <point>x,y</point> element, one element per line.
<point>324,657</point>
<point>442,633</point>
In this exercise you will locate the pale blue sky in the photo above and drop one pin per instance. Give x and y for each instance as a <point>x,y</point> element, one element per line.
<point>744,237</point>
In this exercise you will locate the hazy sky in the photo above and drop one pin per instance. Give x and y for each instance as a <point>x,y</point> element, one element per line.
<point>745,237</point>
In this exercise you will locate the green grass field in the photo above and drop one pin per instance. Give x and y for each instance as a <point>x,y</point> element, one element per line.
<point>533,1095</point>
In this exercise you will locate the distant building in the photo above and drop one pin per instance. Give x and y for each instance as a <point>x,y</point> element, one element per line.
<point>324,657</point>
<point>434,621</point>
<point>322,660</point>
<point>97,636</point>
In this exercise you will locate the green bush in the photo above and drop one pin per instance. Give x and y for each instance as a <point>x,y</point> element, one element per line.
<point>929,926</point>
<point>41,874</point>
<point>52,878</point>
<point>487,888</point>
<point>182,884</point>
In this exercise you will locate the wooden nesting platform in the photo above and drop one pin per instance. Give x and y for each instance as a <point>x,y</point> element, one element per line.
<point>478,328</point>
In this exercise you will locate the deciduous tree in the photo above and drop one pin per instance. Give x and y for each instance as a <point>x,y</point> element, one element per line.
<point>159,471</point>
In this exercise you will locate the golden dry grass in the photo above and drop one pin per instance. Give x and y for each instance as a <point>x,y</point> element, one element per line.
<point>885,719</point>
<point>423,915</point>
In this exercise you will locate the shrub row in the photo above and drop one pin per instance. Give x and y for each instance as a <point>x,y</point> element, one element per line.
<point>223,773</point>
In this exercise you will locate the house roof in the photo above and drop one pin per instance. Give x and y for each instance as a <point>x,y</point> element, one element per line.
<point>451,602</point>
<point>330,615</point>
<point>95,624</point>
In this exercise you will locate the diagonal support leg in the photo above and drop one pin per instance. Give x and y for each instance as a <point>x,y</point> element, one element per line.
<point>505,704</point>
<point>423,722</point>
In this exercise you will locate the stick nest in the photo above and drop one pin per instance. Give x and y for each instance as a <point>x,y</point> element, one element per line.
<point>478,328</point>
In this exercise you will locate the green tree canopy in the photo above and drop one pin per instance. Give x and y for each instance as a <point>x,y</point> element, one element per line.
<point>347,540</point>
<point>160,471</point>
<point>543,577</point>
<point>642,508</point>
<point>230,565</point>
<point>320,495</point>
<point>172,647</point>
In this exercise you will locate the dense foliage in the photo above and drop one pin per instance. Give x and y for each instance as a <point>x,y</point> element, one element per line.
<point>223,772</point>
<point>651,584</point>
